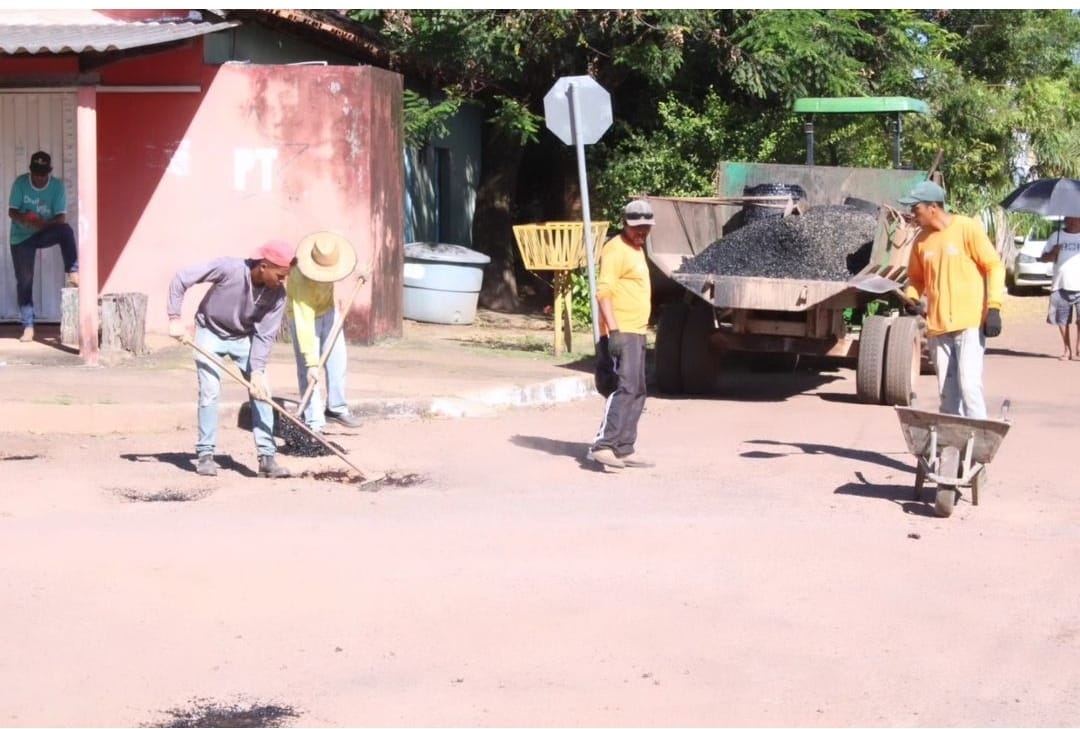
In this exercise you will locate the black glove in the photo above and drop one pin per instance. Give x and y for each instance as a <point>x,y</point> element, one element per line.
<point>915,307</point>
<point>992,326</point>
<point>615,343</point>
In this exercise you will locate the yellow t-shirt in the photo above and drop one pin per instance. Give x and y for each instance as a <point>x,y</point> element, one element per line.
<point>624,278</point>
<point>960,273</point>
<point>306,300</point>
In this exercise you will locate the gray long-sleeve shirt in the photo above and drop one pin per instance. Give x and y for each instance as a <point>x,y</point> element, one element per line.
<point>234,307</point>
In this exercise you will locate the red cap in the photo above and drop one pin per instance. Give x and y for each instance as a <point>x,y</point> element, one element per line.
<point>278,252</point>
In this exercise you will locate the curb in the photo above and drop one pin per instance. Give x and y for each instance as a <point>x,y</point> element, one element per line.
<point>102,418</point>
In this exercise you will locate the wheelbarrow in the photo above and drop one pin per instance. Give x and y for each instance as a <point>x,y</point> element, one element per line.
<point>953,452</point>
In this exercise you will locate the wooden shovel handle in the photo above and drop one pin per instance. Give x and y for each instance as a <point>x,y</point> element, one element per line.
<point>338,325</point>
<point>240,378</point>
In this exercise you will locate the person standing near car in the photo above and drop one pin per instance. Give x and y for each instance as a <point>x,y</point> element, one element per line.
<point>624,297</point>
<point>1061,248</point>
<point>954,264</point>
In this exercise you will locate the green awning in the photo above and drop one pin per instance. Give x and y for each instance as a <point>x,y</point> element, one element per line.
<point>858,105</point>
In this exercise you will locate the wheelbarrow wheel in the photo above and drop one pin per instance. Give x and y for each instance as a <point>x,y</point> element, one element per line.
<point>946,496</point>
<point>920,479</point>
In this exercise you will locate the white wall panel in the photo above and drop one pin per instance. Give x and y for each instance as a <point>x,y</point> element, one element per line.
<point>29,122</point>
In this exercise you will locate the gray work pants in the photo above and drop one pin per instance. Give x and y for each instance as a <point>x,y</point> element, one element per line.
<point>958,358</point>
<point>622,409</point>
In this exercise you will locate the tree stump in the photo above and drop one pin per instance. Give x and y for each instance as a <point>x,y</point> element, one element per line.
<point>69,317</point>
<point>123,322</point>
<point>121,317</point>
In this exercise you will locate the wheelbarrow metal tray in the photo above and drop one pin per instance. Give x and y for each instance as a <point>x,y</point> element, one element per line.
<point>952,430</point>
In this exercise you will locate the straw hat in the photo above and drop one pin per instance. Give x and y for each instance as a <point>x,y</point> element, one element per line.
<point>325,256</point>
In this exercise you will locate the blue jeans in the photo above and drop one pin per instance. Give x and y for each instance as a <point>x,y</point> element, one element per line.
<point>24,256</point>
<point>262,415</point>
<point>958,358</point>
<point>336,365</point>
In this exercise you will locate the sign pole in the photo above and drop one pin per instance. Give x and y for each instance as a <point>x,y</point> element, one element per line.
<point>575,124</point>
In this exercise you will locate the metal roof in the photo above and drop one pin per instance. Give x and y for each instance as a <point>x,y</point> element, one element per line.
<point>858,105</point>
<point>98,37</point>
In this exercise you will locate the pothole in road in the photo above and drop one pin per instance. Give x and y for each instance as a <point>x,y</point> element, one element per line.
<point>386,480</point>
<point>163,495</point>
<point>204,713</point>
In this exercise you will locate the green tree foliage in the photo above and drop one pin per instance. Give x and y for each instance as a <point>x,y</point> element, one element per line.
<point>693,87</point>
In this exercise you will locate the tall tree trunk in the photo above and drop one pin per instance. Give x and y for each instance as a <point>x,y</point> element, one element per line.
<point>493,221</point>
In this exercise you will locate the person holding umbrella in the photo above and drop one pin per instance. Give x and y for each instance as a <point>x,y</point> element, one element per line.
<point>1057,196</point>
<point>1062,248</point>
<point>954,264</point>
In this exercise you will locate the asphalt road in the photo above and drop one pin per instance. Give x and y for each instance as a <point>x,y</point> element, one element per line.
<point>773,569</point>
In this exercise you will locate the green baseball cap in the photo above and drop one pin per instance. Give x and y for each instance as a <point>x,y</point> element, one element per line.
<point>924,192</point>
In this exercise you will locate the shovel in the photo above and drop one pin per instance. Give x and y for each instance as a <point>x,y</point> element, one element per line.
<point>298,423</point>
<point>875,283</point>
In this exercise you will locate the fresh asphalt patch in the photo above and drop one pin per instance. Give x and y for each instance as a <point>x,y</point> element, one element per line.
<point>206,713</point>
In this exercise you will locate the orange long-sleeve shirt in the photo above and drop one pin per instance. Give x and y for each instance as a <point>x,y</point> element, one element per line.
<point>960,273</point>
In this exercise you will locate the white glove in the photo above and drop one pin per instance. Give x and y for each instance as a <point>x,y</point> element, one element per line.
<point>178,330</point>
<point>259,387</point>
<point>313,376</point>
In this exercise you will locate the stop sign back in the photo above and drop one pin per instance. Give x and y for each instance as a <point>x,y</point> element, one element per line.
<point>594,109</point>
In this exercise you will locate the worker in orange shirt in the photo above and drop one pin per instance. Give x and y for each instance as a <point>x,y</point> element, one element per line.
<point>956,267</point>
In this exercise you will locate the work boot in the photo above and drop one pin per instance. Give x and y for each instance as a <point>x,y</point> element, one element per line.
<point>206,465</point>
<point>27,335</point>
<point>346,418</point>
<point>71,280</point>
<point>268,468</point>
<point>632,461</point>
<point>605,457</point>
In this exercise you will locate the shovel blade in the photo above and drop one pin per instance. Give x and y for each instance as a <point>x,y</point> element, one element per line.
<point>874,283</point>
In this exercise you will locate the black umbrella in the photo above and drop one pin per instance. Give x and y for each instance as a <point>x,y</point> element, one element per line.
<point>1048,196</point>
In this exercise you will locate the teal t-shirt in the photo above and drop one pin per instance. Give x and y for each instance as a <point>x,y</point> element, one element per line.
<point>46,203</point>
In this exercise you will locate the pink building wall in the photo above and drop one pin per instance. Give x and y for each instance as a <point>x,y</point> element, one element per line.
<point>260,152</point>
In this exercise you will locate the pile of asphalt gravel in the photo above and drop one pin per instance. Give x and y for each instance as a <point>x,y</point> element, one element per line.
<point>827,242</point>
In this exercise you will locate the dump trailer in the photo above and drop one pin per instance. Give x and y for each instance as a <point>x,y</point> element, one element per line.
<point>704,315</point>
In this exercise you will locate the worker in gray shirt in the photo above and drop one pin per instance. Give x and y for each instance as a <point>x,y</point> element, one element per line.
<point>239,317</point>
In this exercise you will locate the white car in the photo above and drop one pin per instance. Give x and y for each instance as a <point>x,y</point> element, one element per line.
<point>1024,271</point>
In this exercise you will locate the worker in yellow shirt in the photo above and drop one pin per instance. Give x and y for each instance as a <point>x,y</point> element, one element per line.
<point>954,264</point>
<point>321,259</point>
<point>624,296</point>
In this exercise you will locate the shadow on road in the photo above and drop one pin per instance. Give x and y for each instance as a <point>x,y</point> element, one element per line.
<point>1018,353</point>
<point>816,449</point>
<point>889,492</point>
<point>568,449</point>
<point>186,461</point>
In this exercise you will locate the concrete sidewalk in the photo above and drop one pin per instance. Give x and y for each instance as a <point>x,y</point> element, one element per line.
<point>432,371</point>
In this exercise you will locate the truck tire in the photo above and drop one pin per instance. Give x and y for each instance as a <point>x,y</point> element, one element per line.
<point>903,355</point>
<point>870,366</point>
<point>669,336</point>
<point>698,367</point>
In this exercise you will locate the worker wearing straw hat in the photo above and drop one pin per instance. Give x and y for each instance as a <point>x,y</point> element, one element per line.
<point>321,259</point>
